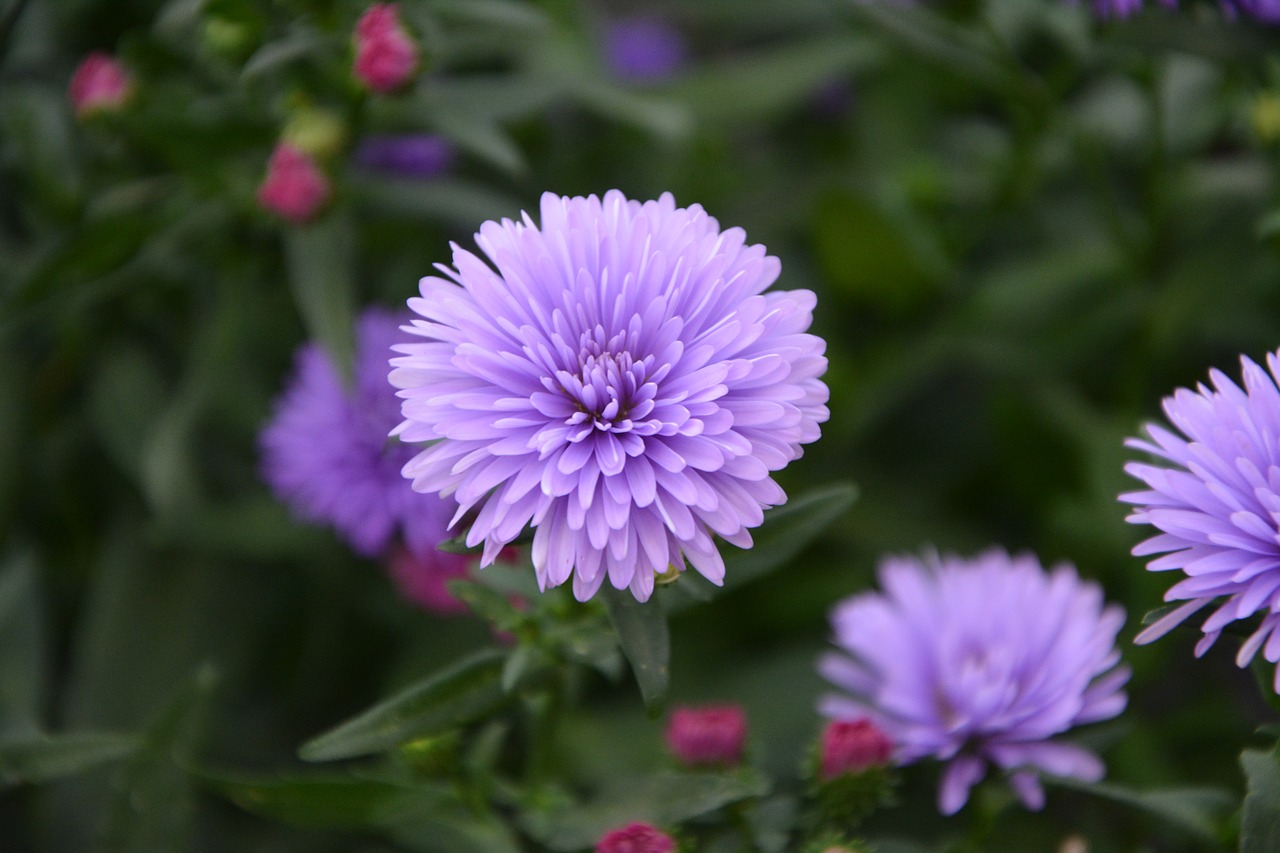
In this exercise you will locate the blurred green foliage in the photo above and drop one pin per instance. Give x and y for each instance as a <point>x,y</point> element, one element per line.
<point>1024,227</point>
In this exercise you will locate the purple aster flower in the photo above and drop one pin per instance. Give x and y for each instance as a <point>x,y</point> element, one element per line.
<point>1121,8</point>
<point>620,381</point>
<point>643,49</point>
<point>326,454</point>
<point>1262,10</point>
<point>1217,506</point>
<point>978,662</point>
<point>418,155</point>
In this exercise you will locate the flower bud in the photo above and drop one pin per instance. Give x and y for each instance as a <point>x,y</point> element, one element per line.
<point>386,55</point>
<point>422,579</point>
<point>853,746</point>
<point>319,133</point>
<point>99,84</point>
<point>294,189</point>
<point>636,838</point>
<point>711,735</point>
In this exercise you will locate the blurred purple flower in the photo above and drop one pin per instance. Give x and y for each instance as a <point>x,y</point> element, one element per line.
<point>418,155</point>
<point>325,451</point>
<point>1121,8</point>
<point>977,662</point>
<point>621,382</point>
<point>1217,506</point>
<point>643,49</point>
<point>1262,10</point>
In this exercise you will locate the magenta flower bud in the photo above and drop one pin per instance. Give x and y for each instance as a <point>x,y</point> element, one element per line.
<point>636,838</point>
<point>294,189</point>
<point>852,746</point>
<point>713,734</point>
<point>386,55</point>
<point>422,578</point>
<point>99,84</point>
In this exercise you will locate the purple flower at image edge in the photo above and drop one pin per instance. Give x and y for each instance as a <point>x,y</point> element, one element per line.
<point>325,451</point>
<point>1214,497</point>
<point>641,49</point>
<point>419,155</point>
<point>1262,10</point>
<point>619,380</point>
<point>979,662</point>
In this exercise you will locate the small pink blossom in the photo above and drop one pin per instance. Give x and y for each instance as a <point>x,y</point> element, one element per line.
<point>99,84</point>
<point>294,188</point>
<point>386,55</point>
<point>636,838</point>
<point>852,746</point>
<point>422,579</point>
<point>713,734</point>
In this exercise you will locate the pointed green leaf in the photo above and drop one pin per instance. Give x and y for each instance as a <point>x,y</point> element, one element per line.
<point>1198,810</point>
<point>274,55</point>
<point>322,275</point>
<point>461,694</point>
<point>22,653</point>
<point>329,800</point>
<point>645,640</point>
<point>1260,824</point>
<point>39,759</point>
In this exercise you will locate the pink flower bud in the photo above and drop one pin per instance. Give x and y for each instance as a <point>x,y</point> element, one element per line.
<point>713,734</point>
<point>636,838</point>
<point>852,746</point>
<point>99,84</point>
<point>386,56</point>
<point>294,188</point>
<point>422,579</point>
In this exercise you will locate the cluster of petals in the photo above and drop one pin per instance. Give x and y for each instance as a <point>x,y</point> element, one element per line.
<point>326,454</point>
<point>1215,500</point>
<point>294,187</point>
<point>979,662</point>
<point>99,84</point>
<point>386,55</point>
<point>852,746</point>
<point>711,735</point>
<point>619,380</point>
<point>636,838</point>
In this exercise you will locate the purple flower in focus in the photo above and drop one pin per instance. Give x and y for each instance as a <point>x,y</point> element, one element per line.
<point>418,155</point>
<point>326,454</point>
<point>620,381</point>
<point>1216,503</point>
<point>977,662</point>
<point>643,49</point>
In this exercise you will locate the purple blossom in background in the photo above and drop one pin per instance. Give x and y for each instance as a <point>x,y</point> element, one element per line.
<point>1121,8</point>
<point>1216,503</point>
<point>621,382</point>
<point>1262,10</point>
<point>643,49</point>
<point>418,155</point>
<point>977,662</point>
<point>325,451</point>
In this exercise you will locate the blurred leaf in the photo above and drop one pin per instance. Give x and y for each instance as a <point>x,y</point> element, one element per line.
<point>40,759</point>
<point>330,800</point>
<point>480,136</point>
<point>152,807</point>
<point>501,13</point>
<point>301,43</point>
<point>125,400</point>
<point>23,659</point>
<point>37,124</point>
<point>495,97</point>
<point>489,604</point>
<point>461,694</point>
<point>322,274</point>
<point>1260,824</point>
<point>526,665</point>
<point>1198,810</point>
<point>760,86</point>
<point>663,799</point>
<point>645,640</point>
<point>666,119</point>
<point>177,20</point>
<point>451,201</point>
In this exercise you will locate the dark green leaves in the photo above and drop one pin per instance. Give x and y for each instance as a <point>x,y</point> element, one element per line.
<point>642,633</point>
<point>43,758</point>
<point>1260,824</point>
<point>320,260</point>
<point>465,692</point>
<point>1197,810</point>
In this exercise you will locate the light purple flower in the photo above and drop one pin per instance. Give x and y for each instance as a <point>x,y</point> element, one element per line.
<point>643,49</point>
<point>620,382</point>
<point>1217,506</point>
<point>977,662</point>
<point>415,155</point>
<point>325,451</point>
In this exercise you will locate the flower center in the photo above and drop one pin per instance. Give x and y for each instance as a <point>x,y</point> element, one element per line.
<point>610,391</point>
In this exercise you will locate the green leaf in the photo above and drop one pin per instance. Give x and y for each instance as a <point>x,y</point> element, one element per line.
<point>1260,824</point>
<point>39,759</point>
<point>461,694</point>
<point>663,799</point>
<point>330,800</point>
<point>322,274</point>
<point>454,202</point>
<point>22,649</point>
<point>481,137</point>
<point>645,640</point>
<point>1198,810</point>
<point>299,44</point>
<point>666,119</point>
<point>500,13</point>
<point>152,806</point>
